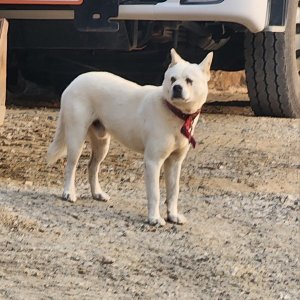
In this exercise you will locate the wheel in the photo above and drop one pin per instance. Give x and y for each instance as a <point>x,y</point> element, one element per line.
<point>272,64</point>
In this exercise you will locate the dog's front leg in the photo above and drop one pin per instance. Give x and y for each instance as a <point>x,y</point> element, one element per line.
<point>172,174</point>
<point>152,172</point>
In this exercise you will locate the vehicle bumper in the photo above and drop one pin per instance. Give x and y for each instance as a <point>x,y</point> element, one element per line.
<point>253,14</point>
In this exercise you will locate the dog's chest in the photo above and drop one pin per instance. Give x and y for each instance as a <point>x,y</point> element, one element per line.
<point>181,141</point>
<point>183,133</point>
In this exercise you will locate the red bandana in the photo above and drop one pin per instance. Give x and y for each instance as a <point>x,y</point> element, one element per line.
<point>188,119</point>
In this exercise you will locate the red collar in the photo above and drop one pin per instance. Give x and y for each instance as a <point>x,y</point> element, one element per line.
<point>188,119</point>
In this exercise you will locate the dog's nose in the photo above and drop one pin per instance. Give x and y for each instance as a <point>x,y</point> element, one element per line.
<point>177,91</point>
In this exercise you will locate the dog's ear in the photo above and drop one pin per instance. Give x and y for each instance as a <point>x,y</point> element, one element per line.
<point>175,58</point>
<point>206,64</point>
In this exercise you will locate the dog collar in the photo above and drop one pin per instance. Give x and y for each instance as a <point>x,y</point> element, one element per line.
<point>188,119</point>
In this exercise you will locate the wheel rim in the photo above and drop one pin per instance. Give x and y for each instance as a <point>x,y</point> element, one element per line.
<point>298,37</point>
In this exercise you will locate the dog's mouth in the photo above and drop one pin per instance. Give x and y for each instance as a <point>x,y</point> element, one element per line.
<point>180,99</point>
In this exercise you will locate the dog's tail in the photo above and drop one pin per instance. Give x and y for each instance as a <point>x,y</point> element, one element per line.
<point>57,148</point>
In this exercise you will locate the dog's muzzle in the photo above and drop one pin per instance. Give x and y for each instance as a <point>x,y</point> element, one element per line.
<point>177,91</point>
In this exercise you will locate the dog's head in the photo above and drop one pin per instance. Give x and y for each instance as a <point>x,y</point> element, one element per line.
<point>185,84</point>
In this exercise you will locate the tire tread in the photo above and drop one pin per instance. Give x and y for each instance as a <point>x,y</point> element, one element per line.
<point>272,89</point>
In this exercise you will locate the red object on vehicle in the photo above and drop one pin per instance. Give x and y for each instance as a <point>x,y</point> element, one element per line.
<point>43,2</point>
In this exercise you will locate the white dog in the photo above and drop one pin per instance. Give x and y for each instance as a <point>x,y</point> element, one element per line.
<point>156,121</point>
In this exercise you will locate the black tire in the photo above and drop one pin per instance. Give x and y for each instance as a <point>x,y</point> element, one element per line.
<point>272,69</point>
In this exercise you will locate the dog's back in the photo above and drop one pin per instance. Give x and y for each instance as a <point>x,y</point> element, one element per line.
<point>107,98</point>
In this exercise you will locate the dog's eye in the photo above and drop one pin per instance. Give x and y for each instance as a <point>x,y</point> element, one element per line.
<point>173,79</point>
<point>189,81</point>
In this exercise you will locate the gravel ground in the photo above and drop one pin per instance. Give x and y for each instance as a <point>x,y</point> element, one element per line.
<point>239,191</point>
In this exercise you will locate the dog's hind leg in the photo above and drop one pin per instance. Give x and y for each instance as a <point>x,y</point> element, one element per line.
<point>75,137</point>
<point>100,141</point>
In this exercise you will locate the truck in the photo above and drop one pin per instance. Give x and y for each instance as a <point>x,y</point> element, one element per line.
<point>49,39</point>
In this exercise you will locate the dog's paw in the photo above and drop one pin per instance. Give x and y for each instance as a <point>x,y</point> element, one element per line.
<point>157,221</point>
<point>101,196</point>
<point>177,219</point>
<point>68,197</point>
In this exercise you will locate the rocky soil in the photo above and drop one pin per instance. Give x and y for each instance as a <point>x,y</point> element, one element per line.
<point>240,192</point>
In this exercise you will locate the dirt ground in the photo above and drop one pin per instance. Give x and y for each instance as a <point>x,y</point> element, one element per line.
<point>240,192</point>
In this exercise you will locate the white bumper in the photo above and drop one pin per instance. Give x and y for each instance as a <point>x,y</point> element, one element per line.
<point>253,14</point>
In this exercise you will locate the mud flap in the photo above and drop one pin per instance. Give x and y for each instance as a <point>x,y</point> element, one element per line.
<point>3,55</point>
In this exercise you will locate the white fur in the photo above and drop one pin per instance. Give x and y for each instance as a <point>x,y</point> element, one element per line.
<point>136,116</point>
